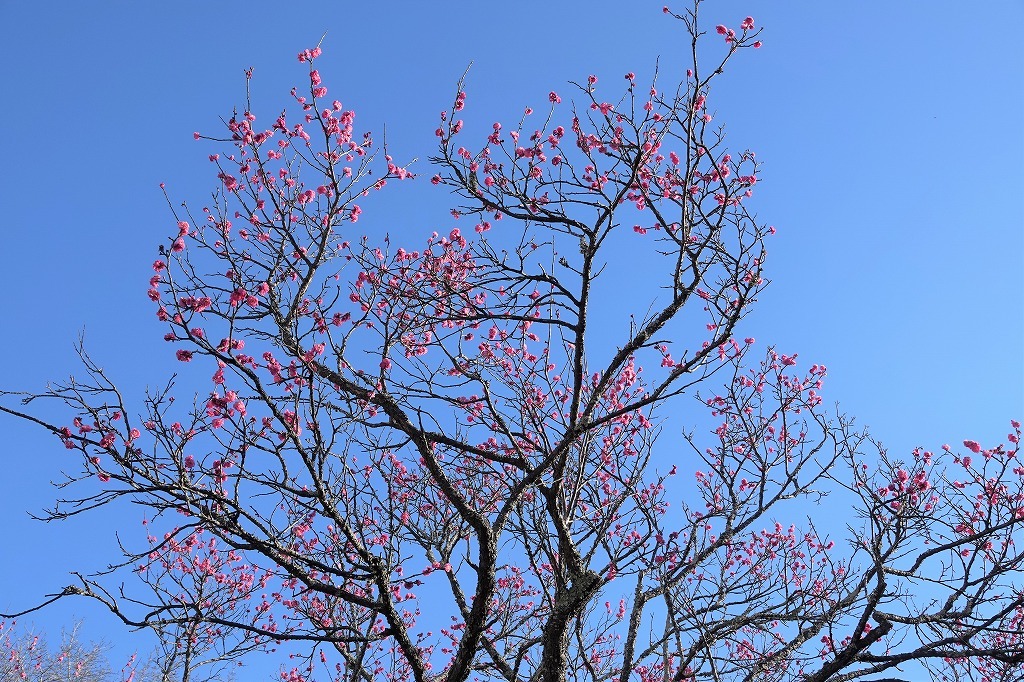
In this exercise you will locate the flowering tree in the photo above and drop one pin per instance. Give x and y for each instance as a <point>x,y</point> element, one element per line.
<point>423,462</point>
<point>28,656</point>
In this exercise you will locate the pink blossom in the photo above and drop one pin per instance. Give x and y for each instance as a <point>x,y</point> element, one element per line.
<point>747,24</point>
<point>722,30</point>
<point>973,446</point>
<point>184,355</point>
<point>229,181</point>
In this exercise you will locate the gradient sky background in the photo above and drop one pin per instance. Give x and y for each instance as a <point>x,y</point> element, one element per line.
<point>891,134</point>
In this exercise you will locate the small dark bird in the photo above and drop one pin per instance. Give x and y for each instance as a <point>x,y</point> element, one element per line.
<point>163,252</point>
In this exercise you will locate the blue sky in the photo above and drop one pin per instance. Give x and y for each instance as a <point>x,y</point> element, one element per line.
<point>890,132</point>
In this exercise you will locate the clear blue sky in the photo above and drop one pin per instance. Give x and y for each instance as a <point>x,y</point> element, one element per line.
<point>891,134</point>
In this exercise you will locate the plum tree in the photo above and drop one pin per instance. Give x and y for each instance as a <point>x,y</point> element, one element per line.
<point>441,461</point>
